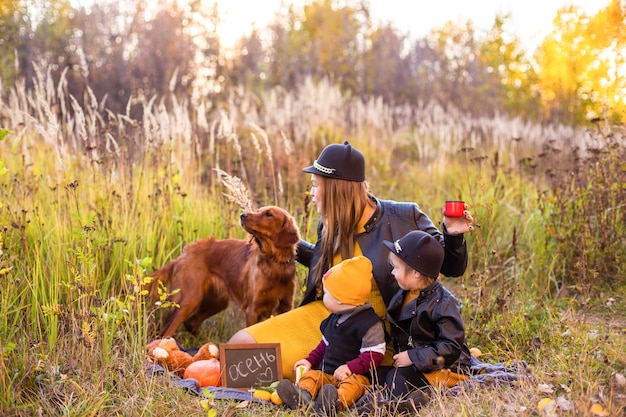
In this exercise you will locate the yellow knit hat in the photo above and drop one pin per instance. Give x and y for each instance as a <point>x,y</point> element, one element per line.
<point>350,281</point>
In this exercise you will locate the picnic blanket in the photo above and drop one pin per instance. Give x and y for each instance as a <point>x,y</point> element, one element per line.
<point>492,374</point>
<point>483,374</point>
<point>191,385</point>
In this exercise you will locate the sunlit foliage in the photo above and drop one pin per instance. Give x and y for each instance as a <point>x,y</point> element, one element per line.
<point>138,50</point>
<point>582,65</point>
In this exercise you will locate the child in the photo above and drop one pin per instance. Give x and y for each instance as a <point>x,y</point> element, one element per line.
<point>426,327</point>
<point>353,343</point>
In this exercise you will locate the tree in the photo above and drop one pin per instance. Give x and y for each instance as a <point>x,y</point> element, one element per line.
<point>13,24</point>
<point>33,32</point>
<point>285,51</point>
<point>385,70</point>
<point>561,59</point>
<point>454,67</point>
<point>162,47</point>
<point>332,36</point>
<point>423,66</point>
<point>324,41</point>
<point>248,68</point>
<point>505,79</point>
<point>208,67</point>
<point>582,65</point>
<point>604,79</point>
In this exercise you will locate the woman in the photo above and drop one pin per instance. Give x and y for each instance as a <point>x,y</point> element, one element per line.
<point>353,222</point>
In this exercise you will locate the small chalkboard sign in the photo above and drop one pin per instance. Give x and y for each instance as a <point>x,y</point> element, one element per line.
<point>244,366</point>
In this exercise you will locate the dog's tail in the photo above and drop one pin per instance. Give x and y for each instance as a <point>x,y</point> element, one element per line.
<point>159,279</point>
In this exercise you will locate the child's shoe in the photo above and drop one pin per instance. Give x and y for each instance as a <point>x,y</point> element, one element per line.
<point>292,395</point>
<point>327,401</point>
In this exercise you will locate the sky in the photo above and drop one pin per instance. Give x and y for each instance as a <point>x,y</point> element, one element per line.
<point>531,19</point>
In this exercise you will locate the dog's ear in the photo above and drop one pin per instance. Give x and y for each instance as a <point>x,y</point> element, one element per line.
<point>289,234</point>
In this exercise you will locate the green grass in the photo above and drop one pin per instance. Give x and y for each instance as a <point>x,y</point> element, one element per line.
<point>545,284</point>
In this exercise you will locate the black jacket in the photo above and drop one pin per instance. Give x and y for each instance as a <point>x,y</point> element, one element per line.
<point>428,328</point>
<point>390,221</point>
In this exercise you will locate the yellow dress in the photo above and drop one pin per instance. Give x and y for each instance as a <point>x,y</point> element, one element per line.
<point>298,330</point>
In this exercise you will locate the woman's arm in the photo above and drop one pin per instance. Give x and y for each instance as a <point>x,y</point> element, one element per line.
<point>455,255</point>
<point>304,253</point>
<point>455,247</point>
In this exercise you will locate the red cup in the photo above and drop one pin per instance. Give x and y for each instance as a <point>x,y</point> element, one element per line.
<point>454,208</point>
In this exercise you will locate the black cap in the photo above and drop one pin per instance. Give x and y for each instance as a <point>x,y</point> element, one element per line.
<point>419,250</point>
<point>340,161</point>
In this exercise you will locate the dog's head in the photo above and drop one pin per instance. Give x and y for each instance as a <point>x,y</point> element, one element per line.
<point>274,230</point>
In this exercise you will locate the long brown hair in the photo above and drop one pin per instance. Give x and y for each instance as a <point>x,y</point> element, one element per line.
<point>342,207</point>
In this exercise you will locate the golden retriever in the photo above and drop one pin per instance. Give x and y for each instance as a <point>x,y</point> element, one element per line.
<point>258,274</point>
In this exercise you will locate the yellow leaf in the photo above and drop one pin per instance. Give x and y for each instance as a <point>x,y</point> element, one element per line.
<point>598,410</point>
<point>547,406</point>
<point>89,335</point>
<point>476,352</point>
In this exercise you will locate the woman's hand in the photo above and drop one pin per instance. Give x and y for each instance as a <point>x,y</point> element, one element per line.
<point>342,372</point>
<point>458,225</point>
<point>402,359</point>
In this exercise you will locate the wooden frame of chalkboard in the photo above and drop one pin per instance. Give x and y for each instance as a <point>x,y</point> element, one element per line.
<point>245,365</point>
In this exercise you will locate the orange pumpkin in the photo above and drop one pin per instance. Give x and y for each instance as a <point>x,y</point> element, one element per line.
<point>206,372</point>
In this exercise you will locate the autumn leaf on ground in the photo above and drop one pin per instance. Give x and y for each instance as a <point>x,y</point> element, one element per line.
<point>598,410</point>
<point>547,406</point>
<point>477,353</point>
<point>564,404</point>
<point>545,389</point>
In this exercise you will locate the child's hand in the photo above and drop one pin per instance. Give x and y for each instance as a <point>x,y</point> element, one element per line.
<point>342,372</point>
<point>402,359</point>
<point>303,362</point>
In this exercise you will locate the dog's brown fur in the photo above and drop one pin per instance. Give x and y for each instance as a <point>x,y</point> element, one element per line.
<point>259,274</point>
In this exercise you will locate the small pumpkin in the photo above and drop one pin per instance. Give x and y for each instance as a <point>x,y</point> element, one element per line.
<point>206,372</point>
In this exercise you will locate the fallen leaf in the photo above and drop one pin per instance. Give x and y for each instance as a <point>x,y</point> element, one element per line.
<point>547,406</point>
<point>243,404</point>
<point>476,352</point>
<point>545,389</point>
<point>598,410</point>
<point>564,404</point>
